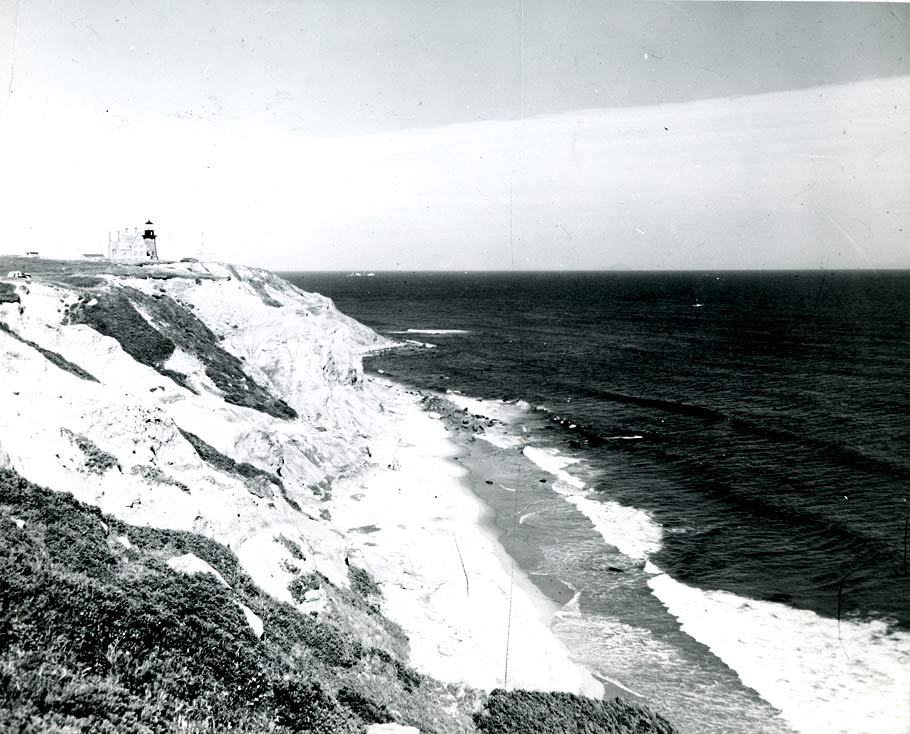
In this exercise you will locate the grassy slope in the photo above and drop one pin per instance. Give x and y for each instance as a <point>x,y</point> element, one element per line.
<point>113,312</point>
<point>98,637</point>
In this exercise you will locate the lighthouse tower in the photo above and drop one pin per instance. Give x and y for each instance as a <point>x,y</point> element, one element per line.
<point>150,241</point>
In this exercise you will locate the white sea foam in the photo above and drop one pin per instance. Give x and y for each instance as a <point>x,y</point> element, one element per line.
<point>436,332</point>
<point>792,658</point>
<point>649,665</point>
<point>500,409</point>
<point>552,462</point>
<point>631,531</point>
<point>507,413</point>
<point>853,678</point>
<point>416,343</point>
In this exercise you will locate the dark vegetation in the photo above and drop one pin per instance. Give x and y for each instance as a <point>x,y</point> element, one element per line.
<point>293,548</point>
<point>362,583</point>
<point>241,469</point>
<point>63,270</point>
<point>80,281</point>
<point>114,313</point>
<point>8,293</point>
<point>533,712</point>
<point>223,368</point>
<point>95,460</point>
<point>56,359</point>
<point>304,582</point>
<point>98,638</point>
<point>257,284</point>
<point>222,462</point>
<point>154,474</point>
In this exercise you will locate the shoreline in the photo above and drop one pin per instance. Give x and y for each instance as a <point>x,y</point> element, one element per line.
<point>472,613</point>
<point>494,461</point>
<point>553,594</point>
<point>488,476</point>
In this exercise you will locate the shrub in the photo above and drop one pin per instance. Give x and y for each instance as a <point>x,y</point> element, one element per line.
<point>306,582</point>
<point>80,281</point>
<point>367,709</point>
<point>96,460</point>
<point>362,583</point>
<point>225,463</point>
<point>304,706</point>
<point>8,293</point>
<point>242,469</point>
<point>295,550</point>
<point>154,474</point>
<point>114,314</point>
<point>534,712</point>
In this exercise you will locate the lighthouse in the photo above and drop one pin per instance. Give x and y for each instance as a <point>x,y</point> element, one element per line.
<point>129,246</point>
<point>150,241</point>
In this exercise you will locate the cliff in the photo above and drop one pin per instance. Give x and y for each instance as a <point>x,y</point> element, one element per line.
<point>195,421</point>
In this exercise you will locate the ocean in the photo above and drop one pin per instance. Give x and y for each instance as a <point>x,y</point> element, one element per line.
<point>716,464</point>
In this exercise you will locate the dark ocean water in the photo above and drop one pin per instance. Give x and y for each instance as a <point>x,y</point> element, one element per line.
<point>770,410</point>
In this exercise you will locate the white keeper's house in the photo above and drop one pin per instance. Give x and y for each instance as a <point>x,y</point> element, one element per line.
<point>133,245</point>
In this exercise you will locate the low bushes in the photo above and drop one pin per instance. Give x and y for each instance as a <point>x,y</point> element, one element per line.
<point>362,583</point>
<point>155,475</point>
<point>241,469</point>
<point>535,712</point>
<point>8,293</point>
<point>95,460</point>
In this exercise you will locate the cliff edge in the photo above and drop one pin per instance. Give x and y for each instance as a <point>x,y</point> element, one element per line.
<point>194,420</point>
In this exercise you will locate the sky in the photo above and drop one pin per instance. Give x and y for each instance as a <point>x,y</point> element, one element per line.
<point>556,134</point>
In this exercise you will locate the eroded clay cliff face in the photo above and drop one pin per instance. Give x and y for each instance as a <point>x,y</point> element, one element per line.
<point>104,381</point>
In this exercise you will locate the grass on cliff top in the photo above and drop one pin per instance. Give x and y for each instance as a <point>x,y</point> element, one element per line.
<point>63,271</point>
<point>114,313</point>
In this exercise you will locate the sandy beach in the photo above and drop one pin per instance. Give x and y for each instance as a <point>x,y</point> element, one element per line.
<point>470,612</point>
